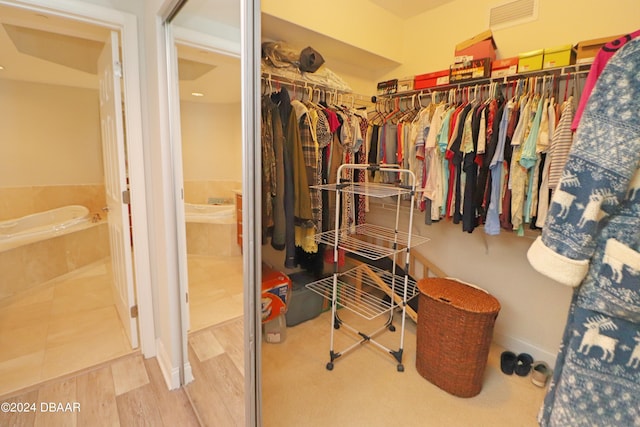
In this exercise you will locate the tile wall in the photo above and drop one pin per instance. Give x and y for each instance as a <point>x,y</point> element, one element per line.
<point>36,263</point>
<point>20,201</point>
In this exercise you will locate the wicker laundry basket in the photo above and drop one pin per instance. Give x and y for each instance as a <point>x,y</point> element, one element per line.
<point>454,332</point>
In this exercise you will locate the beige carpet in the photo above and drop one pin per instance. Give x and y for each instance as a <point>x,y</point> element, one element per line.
<point>365,389</point>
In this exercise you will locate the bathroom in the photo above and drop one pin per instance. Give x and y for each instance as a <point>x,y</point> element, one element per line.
<point>57,308</point>
<point>210,123</point>
<point>58,305</point>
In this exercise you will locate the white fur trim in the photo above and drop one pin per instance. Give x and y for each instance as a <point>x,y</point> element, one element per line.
<point>565,270</point>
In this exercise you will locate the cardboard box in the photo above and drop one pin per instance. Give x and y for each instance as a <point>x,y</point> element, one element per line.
<point>587,50</point>
<point>504,67</point>
<point>479,47</point>
<point>387,87</point>
<point>530,61</point>
<point>476,69</point>
<point>560,56</point>
<point>276,290</point>
<point>405,84</point>
<point>429,80</point>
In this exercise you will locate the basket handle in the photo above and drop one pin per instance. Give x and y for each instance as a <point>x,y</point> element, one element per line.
<point>468,284</point>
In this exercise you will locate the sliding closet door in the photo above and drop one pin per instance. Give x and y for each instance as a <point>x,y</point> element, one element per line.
<point>251,219</point>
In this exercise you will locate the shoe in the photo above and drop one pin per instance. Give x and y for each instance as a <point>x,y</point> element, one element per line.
<point>540,374</point>
<point>507,362</point>
<point>523,364</point>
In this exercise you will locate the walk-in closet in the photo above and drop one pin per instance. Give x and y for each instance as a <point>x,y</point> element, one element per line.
<point>488,153</point>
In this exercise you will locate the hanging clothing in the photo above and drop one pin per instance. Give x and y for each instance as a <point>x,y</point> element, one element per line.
<point>591,241</point>
<point>561,143</point>
<point>599,62</point>
<point>492,222</point>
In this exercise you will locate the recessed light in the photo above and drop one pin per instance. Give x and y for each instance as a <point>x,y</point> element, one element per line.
<point>1,67</point>
<point>197,93</point>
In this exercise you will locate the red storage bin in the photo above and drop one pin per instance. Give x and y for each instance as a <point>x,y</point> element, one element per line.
<point>437,78</point>
<point>276,291</point>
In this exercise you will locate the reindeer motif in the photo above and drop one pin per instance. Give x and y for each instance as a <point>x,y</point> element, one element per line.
<point>592,211</point>
<point>634,359</point>
<point>593,337</point>
<point>617,256</point>
<point>634,186</point>
<point>569,180</point>
<point>565,200</point>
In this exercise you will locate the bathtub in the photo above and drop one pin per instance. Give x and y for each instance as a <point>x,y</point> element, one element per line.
<point>211,214</point>
<point>211,230</point>
<point>38,226</point>
<point>44,246</point>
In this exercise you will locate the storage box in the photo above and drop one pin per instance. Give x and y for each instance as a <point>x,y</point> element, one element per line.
<point>453,334</point>
<point>405,84</point>
<point>504,67</point>
<point>304,304</point>
<point>276,290</point>
<point>476,69</point>
<point>480,46</point>
<point>530,61</point>
<point>560,56</point>
<point>387,87</point>
<point>429,80</point>
<point>275,330</point>
<point>586,50</point>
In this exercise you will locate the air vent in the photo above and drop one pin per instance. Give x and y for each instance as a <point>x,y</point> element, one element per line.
<point>513,13</point>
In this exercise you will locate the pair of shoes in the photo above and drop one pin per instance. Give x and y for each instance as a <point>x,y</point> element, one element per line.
<point>520,364</point>
<point>507,362</point>
<point>523,364</point>
<point>540,374</point>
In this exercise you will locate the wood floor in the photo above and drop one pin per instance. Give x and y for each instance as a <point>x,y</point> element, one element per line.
<point>130,391</point>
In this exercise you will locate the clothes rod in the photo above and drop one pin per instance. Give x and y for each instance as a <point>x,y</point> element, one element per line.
<point>568,71</point>
<point>306,85</point>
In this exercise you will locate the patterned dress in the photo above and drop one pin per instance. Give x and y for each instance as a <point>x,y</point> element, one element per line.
<point>591,241</point>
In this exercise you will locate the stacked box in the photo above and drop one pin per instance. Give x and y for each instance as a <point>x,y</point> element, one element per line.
<point>530,61</point>
<point>560,56</point>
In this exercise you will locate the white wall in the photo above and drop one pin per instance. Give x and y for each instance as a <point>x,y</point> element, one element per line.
<point>429,39</point>
<point>211,141</point>
<point>50,134</point>
<point>533,307</point>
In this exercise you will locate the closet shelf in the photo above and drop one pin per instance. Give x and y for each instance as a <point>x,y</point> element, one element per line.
<point>366,188</point>
<point>561,72</point>
<point>364,290</point>
<point>354,241</point>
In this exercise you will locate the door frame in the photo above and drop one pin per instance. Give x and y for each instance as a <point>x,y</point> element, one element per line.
<point>126,25</point>
<point>175,34</point>
<point>249,52</point>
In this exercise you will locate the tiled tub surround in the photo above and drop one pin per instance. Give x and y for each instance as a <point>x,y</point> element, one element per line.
<point>16,202</point>
<point>200,192</point>
<point>211,234</point>
<point>51,255</point>
<point>211,230</point>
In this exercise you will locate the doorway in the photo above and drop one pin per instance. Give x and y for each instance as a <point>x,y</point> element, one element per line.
<point>210,124</point>
<point>58,313</point>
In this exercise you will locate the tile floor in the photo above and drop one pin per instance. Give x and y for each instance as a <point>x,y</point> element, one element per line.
<point>71,323</point>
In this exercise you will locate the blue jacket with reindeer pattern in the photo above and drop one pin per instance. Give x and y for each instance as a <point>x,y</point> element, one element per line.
<point>591,241</point>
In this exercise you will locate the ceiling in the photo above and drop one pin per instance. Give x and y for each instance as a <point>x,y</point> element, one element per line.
<point>408,8</point>
<point>49,49</point>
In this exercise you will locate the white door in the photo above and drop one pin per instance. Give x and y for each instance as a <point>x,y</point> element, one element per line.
<point>116,189</point>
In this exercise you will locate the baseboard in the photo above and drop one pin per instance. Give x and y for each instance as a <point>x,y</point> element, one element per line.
<point>171,375</point>
<point>188,373</point>
<point>518,346</point>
